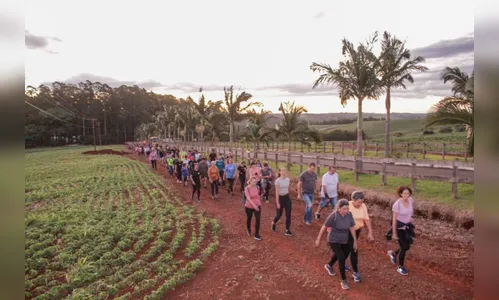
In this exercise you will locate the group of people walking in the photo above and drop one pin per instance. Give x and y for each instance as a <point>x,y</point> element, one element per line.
<point>344,225</point>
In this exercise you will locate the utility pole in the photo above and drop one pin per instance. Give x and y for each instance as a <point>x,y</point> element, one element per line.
<point>93,130</point>
<point>100,139</point>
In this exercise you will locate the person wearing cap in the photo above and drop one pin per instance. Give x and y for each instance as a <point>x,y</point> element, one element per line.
<point>360,215</point>
<point>329,190</point>
<point>283,201</point>
<point>339,223</point>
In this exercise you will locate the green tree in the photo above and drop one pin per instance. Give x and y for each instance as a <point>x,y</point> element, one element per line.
<point>355,77</point>
<point>235,106</point>
<point>291,128</point>
<point>458,108</point>
<point>256,131</point>
<point>395,69</point>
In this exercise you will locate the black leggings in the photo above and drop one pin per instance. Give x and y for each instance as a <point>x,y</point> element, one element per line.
<point>266,190</point>
<point>284,203</point>
<point>154,164</point>
<point>242,180</point>
<point>249,215</point>
<point>404,244</point>
<point>354,258</point>
<point>214,188</point>
<point>196,188</point>
<point>341,252</point>
<point>231,184</point>
<point>221,173</point>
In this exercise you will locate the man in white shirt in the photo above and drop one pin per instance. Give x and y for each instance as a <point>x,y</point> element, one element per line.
<point>329,191</point>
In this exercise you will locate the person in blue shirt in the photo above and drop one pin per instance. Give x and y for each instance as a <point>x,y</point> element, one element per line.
<point>230,175</point>
<point>221,168</point>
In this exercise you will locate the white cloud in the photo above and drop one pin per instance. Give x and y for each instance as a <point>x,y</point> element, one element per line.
<point>218,43</point>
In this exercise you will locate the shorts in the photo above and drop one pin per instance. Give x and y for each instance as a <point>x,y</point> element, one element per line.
<point>325,201</point>
<point>184,178</point>
<point>204,174</point>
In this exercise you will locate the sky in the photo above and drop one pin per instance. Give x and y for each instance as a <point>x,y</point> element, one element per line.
<point>262,47</point>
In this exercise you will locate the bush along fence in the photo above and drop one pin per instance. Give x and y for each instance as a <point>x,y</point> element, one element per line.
<point>448,171</point>
<point>398,150</point>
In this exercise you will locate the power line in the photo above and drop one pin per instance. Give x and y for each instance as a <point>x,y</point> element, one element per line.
<point>74,113</point>
<point>45,112</point>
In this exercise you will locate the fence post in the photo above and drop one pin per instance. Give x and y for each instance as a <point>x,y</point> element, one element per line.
<point>318,166</point>
<point>265,155</point>
<point>288,165</point>
<point>443,151</point>
<point>276,160</point>
<point>407,151</point>
<point>465,154</point>
<point>413,174</point>
<point>277,149</point>
<point>235,153</point>
<point>353,148</point>
<point>332,147</point>
<point>342,148</point>
<point>383,172</point>
<point>377,149</point>
<point>315,147</point>
<point>249,156</point>
<point>355,169</point>
<point>454,179</point>
<point>334,161</point>
<point>324,146</point>
<point>301,147</point>
<point>301,163</point>
<point>424,150</point>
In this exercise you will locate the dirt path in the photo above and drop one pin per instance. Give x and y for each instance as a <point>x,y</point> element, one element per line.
<point>440,263</point>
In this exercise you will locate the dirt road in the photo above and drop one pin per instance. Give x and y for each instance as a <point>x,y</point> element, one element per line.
<point>440,262</point>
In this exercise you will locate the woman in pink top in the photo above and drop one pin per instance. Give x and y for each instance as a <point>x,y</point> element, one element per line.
<point>153,158</point>
<point>402,228</point>
<point>253,205</point>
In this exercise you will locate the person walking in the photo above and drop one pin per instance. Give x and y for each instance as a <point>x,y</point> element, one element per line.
<point>253,206</point>
<point>196,182</point>
<point>402,228</point>
<point>360,215</point>
<point>185,174</point>
<point>153,158</point>
<point>178,169</point>
<point>266,181</point>
<point>170,163</point>
<point>340,222</point>
<point>307,184</point>
<point>214,178</point>
<point>283,201</point>
<point>221,167</point>
<point>241,170</point>
<point>230,173</point>
<point>329,190</point>
<point>203,169</point>
<point>256,171</point>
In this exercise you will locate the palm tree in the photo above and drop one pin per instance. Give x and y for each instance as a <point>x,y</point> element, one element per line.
<point>235,109</point>
<point>458,108</point>
<point>256,130</point>
<point>355,78</point>
<point>395,68</point>
<point>201,108</point>
<point>294,129</point>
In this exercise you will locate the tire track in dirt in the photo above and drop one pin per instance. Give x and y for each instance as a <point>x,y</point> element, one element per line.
<point>291,268</point>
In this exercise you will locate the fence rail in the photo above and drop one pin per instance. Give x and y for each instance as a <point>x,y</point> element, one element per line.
<point>407,150</point>
<point>447,171</point>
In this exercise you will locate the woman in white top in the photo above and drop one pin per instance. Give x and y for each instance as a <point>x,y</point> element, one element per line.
<point>283,201</point>
<point>402,228</point>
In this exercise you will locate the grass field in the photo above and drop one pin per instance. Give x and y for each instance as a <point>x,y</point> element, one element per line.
<point>409,128</point>
<point>104,227</point>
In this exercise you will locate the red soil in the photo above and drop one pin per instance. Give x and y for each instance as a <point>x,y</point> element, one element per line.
<point>440,262</point>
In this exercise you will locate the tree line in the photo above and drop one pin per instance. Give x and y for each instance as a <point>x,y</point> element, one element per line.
<point>63,113</point>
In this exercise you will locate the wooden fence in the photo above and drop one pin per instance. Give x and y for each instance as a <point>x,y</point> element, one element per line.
<point>407,150</point>
<point>448,171</point>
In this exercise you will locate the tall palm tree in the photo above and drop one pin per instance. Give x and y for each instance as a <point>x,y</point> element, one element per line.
<point>201,108</point>
<point>355,77</point>
<point>256,130</point>
<point>458,108</point>
<point>294,129</point>
<point>235,107</point>
<point>395,68</point>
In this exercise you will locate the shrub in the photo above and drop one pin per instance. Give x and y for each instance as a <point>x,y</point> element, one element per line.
<point>428,131</point>
<point>460,128</point>
<point>398,134</point>
<point>447,129</point>
<point>342,135</point>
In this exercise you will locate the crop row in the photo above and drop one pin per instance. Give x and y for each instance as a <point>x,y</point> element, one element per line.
<point>114,231</point>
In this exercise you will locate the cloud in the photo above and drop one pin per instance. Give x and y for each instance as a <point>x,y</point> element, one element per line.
<point>447,48</point>
<point>320,14</point>
<point>34,42</point>
<point>188,87</point>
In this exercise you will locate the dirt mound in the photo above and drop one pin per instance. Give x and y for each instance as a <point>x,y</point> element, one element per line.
<point>104,151</point>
